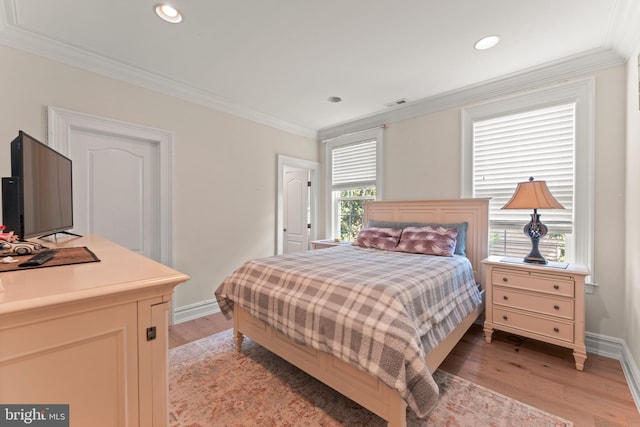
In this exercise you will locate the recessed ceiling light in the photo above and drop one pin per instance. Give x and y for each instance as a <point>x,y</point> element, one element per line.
<point>168,13</point>
<point>487,42</point>
<point>334,99</point>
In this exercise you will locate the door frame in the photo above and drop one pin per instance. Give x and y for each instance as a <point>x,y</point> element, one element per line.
<point>286,162</point>
<point>62,121</point>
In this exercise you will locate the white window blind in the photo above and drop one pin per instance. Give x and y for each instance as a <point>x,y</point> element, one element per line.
<point>511,148</point>
<point>354,165</point>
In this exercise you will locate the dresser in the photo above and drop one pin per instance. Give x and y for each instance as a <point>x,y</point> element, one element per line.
<point>544,302</point>
<point>93,336</point>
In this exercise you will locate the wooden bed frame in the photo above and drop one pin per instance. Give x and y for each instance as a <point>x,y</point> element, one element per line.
<point>347,379</point>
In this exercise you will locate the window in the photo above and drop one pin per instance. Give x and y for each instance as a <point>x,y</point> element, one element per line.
<point>353,171</point>
<point>502,148</point>
<point>547,134</point>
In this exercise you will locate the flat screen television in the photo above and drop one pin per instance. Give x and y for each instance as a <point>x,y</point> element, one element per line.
<point>37,200</point>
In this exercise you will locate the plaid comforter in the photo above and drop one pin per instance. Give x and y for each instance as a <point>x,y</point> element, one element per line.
<point>380,310</point>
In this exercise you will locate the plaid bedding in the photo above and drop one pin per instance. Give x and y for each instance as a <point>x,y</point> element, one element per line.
<point>380,310</point>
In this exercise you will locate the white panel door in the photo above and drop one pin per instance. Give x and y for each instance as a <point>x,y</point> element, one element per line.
<point>296,210</point>
<point>121,180</point>
<point>116,190</point>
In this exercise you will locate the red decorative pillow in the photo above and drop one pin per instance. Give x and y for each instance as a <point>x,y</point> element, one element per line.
<point>378,238</point>
<point>428,240</point>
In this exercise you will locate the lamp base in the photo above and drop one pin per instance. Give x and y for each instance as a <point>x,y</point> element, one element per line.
<point>535,259</point>
<point>535,230</point>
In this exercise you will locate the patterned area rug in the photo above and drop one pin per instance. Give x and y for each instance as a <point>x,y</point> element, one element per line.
<point>212,385</point>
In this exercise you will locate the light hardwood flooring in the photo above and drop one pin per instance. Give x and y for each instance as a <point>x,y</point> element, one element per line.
<point>538,374</point>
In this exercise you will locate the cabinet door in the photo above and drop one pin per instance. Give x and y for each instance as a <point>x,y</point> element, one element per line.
<point>87,360</point>
<point>153,361</point>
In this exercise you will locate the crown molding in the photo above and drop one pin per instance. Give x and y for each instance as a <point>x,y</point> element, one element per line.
<point>624,31</point>
<point>543,75</point>
<point>30,42</point>
<point>622,39</point>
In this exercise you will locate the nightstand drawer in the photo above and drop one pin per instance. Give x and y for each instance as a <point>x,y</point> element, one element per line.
<point>537,325</point>
<point>546,284</point>
<point>538,303</point>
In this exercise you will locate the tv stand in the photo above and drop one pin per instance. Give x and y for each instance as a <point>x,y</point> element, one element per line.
<point>92,335</point>
<point>60,232</point>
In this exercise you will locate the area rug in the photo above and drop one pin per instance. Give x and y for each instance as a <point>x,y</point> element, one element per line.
<point>210,384</point>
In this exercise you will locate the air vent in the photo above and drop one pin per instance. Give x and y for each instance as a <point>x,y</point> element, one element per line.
<point>397,102</point>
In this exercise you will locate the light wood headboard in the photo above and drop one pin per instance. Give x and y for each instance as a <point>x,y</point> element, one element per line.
<point>474,211</point>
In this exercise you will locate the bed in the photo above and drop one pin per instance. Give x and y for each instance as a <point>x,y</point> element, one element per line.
<point>400,355</point>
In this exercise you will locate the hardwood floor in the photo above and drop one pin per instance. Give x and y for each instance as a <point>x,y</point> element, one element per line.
<point>538,374</point>
<point>193,330</point>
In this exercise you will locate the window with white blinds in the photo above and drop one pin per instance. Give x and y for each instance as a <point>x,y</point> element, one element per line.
<point>511,148</point>
<point>354,165</point>
<point>353,177</point>
<point>549,134</point>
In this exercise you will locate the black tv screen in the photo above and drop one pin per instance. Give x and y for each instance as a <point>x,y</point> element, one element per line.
<point>44,189</point>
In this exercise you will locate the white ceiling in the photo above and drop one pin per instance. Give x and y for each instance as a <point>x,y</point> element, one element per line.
<point>277,61</point>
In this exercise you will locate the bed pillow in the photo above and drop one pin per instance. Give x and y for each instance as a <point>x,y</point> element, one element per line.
<point>378,238</point>
<point>429,240</point>
<point>461,240</point>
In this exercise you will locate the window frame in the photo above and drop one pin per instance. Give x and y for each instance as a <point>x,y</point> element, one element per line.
<point>331,220</point>
<point>582,93</point>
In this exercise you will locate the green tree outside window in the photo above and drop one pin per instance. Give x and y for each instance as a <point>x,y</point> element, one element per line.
<point>351,204</point>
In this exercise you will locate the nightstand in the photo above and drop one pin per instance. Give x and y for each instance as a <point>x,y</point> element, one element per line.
<point>544,302</point>
<point>327,243</point>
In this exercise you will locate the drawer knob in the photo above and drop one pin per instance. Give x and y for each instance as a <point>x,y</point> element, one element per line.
<point>505,318</point>
<point>504,279</point>
<point>556,287</point>
<point>504,297</point>
<point>557,307</point>
<point>556,329</point>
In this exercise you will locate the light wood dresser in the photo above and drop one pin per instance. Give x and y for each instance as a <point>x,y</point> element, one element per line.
<point>92,335</point>
<point>537,301</point>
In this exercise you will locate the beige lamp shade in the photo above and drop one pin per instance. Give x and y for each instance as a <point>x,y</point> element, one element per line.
<point>532,195</point>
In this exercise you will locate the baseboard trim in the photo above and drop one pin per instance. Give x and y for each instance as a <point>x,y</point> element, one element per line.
<point>616,348</point>
<point>195,310</point>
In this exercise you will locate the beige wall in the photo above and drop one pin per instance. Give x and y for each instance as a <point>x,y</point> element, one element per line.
<point>422,160</point>
<point>422,157</point>
<point>225,166</point>
<point>605,308</point>
<point>632,225</point>
<point>225,173</point>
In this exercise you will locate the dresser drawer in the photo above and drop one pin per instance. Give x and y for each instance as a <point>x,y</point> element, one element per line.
<point>542,283</point>
<point>547,327</point>
<point>539,303</point>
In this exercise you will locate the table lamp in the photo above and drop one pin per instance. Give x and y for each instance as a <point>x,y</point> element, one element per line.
<point>533,195</point>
